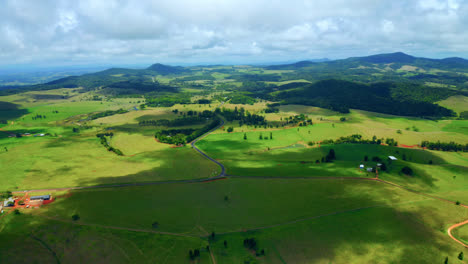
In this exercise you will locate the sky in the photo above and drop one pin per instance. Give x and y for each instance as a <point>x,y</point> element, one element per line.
<point>184,32</point>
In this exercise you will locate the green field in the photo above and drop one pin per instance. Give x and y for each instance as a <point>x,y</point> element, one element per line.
<point>278,189</point>
<point>325,220</point>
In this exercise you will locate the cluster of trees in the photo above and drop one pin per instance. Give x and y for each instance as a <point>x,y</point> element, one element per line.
<point>107,113</point>
<point>104,142</point>
<point>444,146</point>
<point>242,99</point>
<point>184,121</point>
<point>194,254</point>
<point>357,138</point>
<point>167,100</point>
<point>261,136</point>
<point>271,110</point>
<point>251,244</point>
<point>183,136</point>
<point>38,116</point>
<point>244,117</point>
<point>302,120</point>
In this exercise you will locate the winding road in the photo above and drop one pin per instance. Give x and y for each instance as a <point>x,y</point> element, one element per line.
<point>223,175</point>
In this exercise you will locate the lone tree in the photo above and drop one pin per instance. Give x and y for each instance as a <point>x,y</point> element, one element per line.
<point>271,135</point>
<point>230,129</point>
<point>446,260</point>
<point>407,170</point>
<point>383,167</point>
<point>330,156</point>
<point>213,235</point>
<point>245,136</point>
<point>460,256</point>
<point>75,217</point>
<point>155,224</point>
<point>225,243</point>
<point>260,137</point>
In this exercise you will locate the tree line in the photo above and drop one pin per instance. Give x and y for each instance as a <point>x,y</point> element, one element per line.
<point>104,142</point>
<point>445,146</point>
<point>107,113</point>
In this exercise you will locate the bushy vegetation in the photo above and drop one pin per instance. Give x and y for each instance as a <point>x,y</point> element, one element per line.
<point>183,136</point>
<point>356,138</point>
<point>107,113</point>
<point>105,143</point>
<point>444,146</point>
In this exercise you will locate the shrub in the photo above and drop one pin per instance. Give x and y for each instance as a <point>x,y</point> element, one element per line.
<point>75,217</point>
<point>407,170</point>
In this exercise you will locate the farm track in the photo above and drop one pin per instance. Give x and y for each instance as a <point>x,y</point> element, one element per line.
<point>223,175</point>
<point>118,227</point>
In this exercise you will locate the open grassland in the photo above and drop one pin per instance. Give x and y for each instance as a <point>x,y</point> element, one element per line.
<point>461,233</point>
<point>457,103</point>
<point>82,161</point>
<point>28,239</point>
<point>294,221</point>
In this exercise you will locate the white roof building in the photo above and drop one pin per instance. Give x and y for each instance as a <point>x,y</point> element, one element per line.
<point>392,158</point>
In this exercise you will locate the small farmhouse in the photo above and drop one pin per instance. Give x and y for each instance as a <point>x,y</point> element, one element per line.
<point>9,202</point>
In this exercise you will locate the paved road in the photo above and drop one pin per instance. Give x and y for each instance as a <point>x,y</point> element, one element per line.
<point>223,170</point>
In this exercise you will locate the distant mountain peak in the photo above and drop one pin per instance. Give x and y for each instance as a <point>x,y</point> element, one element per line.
<point>166,69</point>
<point>396,57</point>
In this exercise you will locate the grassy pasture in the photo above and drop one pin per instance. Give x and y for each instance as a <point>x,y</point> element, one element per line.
<point>29,239</point>
<point>457,103</point>
<point>393,225</point>
<point>461,233</point>
<point>81,160</point>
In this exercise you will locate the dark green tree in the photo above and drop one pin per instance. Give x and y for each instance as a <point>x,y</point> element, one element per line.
<point>407,170</point>
<point>75,217</point>
<point>245,136</point>
<point>460,256</point>
<point>271,135</point>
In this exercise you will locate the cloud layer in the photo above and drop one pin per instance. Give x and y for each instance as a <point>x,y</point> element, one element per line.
<point>214,31</point>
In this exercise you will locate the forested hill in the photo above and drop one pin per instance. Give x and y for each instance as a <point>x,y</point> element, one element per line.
<point>391,98</point>
<point>114,80</point>
<point>381,61</point>
<point>166,70</point>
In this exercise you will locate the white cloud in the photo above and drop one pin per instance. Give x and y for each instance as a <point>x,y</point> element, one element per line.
<point>242,31</point>
<point>387,26</point>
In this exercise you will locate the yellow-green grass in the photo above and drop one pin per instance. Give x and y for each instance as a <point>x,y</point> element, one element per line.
<point>30,239</point>
<point>290,81</point>
<point>319,221</point>
<point>461,233</point>
<point>457,103</point>
<point>47,162</point>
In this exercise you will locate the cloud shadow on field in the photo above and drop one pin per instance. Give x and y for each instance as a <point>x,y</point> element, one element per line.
<point>11,111</point>
<point>327,217</point>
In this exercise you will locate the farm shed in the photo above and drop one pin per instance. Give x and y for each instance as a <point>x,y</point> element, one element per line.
<point>40,197</point>
<point>392,158</point>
